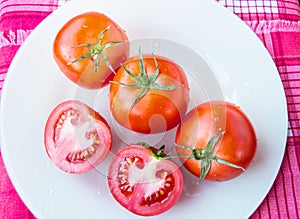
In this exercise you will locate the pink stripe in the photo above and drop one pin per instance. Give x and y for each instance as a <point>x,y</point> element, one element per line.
<point>295,184</point>
<point>26,6</point>
<point>275,212</point>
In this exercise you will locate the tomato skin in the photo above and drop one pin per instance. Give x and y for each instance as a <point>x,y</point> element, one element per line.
<point>82,29</point>
<point>237,145</point>
<point>143,179</point>
<point>158,110</point>
<point>69,125</point>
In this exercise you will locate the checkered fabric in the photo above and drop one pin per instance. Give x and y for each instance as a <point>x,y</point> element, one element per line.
<point>276,23</point>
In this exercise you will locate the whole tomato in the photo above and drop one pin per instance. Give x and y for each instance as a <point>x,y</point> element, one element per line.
<point>89,47</point>
<point>216,141</point>
<point>149,94</point>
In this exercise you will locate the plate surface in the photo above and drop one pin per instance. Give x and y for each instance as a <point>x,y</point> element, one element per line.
<point>223,59</point>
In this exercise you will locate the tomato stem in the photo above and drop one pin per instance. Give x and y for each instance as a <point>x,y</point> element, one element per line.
<point>158,154</point>
<point>96,51</point>
<point>160,151</point>
<point>205,156</point>
<point>143,81</point>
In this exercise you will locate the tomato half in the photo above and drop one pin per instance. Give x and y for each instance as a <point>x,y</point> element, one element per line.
<point>76,137</point>
<point>89,47</point>
<point>153,109</point>
<point>142,182</point>
<point>216,141</point>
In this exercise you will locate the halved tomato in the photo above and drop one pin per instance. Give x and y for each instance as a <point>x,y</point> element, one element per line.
<point>144,182</point>
<point>76,137</point>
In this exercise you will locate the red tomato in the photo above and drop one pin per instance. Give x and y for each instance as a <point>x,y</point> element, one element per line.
<point>216,141</point>
<point>149,94</point>
<point>89,47</point>
<point>143,182</point>
<point>76,137</point>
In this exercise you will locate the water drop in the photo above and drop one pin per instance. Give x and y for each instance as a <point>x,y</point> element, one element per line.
<point>216,119</point>
<point>45,164</point>
<point>196,183</point>
<point>45,208</point>
<point>156,44</point>
<point>51,192</point>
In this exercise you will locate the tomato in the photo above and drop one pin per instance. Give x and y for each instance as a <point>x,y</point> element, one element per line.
<point>76,137</point>
<point>149,94</point>
<point>143,181</point>
<point>89,47</point>
<point>216,141</point>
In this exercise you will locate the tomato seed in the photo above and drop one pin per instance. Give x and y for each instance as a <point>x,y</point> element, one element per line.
<point>168,185</point>
<point>162,174</point>
<point>92,149</point>
<point>70,112</point>
<point>85,153</point>
<point>90,135</point>
<point>168,179</point>
<point>122,178</point>
<point>97,141</point>
<point>162,193</point>
<point>130,160</point>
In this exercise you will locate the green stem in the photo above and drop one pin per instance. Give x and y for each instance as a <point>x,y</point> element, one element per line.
<point>205,156</point>
<point>96,51</point>
<point>159,154</point>
<point>143,81</point>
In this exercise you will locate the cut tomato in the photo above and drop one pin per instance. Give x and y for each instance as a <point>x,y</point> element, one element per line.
<point>76,137</point>
<point>143,182</point>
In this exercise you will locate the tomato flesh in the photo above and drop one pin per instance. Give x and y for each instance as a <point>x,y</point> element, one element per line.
<point>76,138</point>
<point>143,184</point>
<point>237,145</point>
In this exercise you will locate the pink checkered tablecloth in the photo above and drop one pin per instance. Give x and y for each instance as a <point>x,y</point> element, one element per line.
<point>276,23</point>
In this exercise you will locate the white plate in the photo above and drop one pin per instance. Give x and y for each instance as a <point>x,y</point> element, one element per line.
<point>226,53</point>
